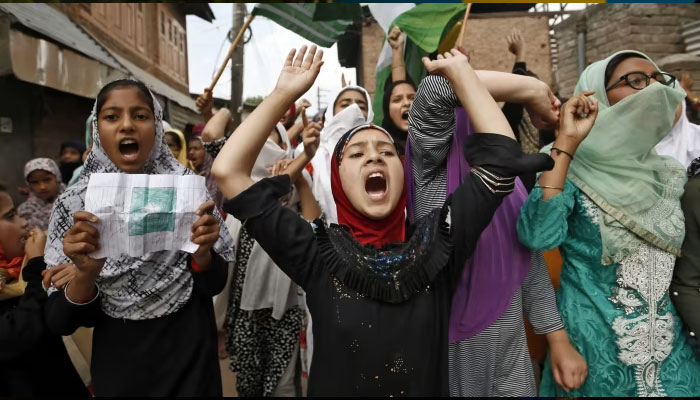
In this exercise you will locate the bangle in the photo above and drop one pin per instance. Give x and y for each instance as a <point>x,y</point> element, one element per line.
<point>560,151</point>
<point>65,294</point>
<point>551,187</point>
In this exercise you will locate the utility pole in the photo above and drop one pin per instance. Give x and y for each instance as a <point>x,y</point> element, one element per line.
<point>239,13</point>
<point>318,98</point>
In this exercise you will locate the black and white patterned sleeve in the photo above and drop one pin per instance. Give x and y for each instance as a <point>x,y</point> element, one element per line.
<point>214,147</point>
<point>539,300</point>
<point>431,124</point>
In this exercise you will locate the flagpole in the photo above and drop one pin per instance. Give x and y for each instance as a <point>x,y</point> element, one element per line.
<point>231,49</point>
<point>460,38</point>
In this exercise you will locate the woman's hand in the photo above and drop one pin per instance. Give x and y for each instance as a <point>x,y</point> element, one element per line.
<point>205,232</point>
<point>280,167</point>
<point>35,244</point>
<point>58,276</point>
<point>396,38</point>
<point>299,73</point>
<point>205,102</point>
<point>516,45</point>
<point>568,366</point>
<point>448,65</point>
<point>543,106</point>
<point>577,117</point>
<point>81,240</point>
<point>311,136</point>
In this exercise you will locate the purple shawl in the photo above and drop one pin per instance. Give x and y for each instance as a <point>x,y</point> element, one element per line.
<point>499,264</point>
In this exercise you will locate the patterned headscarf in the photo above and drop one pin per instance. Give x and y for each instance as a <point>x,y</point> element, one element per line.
<point>36,210</point>
<point>134,288</point>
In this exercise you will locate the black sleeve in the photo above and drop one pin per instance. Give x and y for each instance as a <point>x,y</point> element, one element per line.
<point>513,111</point>
<point>23,325</point>
<point>685,287</point>
<point>63,317</point>
<point>286,237</point>
<point>212,281</point>
<point>495,161</point>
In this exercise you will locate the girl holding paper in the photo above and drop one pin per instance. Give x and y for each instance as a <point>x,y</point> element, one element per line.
<point>154,325</point>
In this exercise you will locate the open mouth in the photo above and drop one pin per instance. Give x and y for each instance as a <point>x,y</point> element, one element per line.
<point>375,186</point>
<point>404,116</point>
<point>129,148</point>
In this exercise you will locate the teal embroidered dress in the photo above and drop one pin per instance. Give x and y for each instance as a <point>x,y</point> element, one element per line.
<point>619,317</point>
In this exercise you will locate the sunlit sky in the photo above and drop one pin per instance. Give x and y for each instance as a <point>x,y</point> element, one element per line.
<point>263,56</point>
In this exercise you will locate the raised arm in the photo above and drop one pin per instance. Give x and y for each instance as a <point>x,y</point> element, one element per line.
<point>234,164</point>
<point>216,126</point>
<point>474,96</point>
<point>396,40</point>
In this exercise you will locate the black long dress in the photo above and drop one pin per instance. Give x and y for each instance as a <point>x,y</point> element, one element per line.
<point>33,361</point>
<point>381,316</point>
<point>175,355</point>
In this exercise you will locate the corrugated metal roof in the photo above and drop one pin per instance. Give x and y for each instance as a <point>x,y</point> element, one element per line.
<point>54,24</point>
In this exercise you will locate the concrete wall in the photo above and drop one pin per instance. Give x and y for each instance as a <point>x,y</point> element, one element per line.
<point>654,29</point>
<point>42,119</point>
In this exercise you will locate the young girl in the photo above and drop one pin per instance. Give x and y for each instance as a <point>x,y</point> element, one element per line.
<point>379,295</point>
<point>33,361</point>
<point>153,317</point>
<point>44,179</point>
<point>177,144</point>
<point>264,317</point>
<point>611,205</point>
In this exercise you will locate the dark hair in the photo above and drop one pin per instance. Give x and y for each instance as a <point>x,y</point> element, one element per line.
<point>124,83</point>
<point>616,61</point>
<point>175,137</point>
<point>3,188</point>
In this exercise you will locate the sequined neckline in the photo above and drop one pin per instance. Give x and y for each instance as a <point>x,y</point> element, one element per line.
<point>394,273</point>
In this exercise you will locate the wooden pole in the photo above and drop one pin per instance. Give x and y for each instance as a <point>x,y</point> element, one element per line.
<point>231,49</point>
<point>460,38</point>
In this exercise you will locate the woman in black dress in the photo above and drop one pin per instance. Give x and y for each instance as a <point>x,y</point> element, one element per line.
<point>379,293</point>
<point>155,333</point>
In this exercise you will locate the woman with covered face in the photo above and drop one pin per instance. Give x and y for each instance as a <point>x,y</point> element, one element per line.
<point>154,328</point>
<point>379,293</point>
<point>611,205</point>
<point>45,184</point>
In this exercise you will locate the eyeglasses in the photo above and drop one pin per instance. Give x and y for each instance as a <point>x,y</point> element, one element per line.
<point>639,80</point>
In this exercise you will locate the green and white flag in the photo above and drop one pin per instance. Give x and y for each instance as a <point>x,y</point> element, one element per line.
<point>316,22</point>
<point>140,214</point>
<point>425,26</point>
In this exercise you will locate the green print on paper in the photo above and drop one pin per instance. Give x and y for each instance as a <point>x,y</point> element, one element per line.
<point>152,210</point>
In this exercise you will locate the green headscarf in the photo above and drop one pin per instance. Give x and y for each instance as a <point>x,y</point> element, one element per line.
<point>617,168</point>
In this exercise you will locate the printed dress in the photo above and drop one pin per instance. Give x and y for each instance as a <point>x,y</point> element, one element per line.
<point>619,317</point>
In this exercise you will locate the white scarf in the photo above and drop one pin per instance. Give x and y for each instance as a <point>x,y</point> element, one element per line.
<point>334,128</point>
<point>134,288</point>
<point>265,285</point>
<point>682,142</point>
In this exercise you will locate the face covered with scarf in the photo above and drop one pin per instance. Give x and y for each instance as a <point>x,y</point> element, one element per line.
<point>367,180</point>
<point>616,165</point>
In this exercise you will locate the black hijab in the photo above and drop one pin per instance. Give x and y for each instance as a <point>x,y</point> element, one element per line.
<point>396,133</point>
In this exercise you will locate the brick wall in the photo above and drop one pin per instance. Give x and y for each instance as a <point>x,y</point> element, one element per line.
<point>485,41</point>
<point>372,42</point>
<point>654,29</point>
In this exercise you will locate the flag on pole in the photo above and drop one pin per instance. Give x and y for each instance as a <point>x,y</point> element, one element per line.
<point>315,22</point>
<point>426,26</point>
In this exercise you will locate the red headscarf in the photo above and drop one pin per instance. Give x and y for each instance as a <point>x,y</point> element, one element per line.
<point>13,266</point>
<point>365,230</point>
